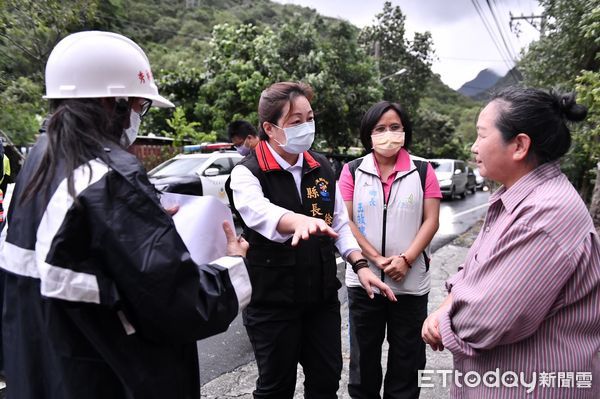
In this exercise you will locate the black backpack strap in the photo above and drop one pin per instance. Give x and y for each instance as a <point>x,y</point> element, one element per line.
<point>422,169</point>
<point>353,165</point>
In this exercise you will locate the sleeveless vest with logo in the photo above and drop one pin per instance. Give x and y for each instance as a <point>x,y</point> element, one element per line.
<point>281,274</point>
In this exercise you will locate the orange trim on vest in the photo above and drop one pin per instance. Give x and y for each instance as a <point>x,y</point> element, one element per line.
<point>312,163</point>
<point>266,161</point>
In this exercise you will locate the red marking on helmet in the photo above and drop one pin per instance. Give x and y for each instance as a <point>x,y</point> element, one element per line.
<point>141,77</point>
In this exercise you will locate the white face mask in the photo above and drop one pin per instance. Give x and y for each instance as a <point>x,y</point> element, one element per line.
<point>387,143</point>
<point>130,134</point>
<point>298,138</point>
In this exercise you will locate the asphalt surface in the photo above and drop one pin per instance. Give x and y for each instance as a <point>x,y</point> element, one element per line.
<point>240,382</point>
<point>225,352</point>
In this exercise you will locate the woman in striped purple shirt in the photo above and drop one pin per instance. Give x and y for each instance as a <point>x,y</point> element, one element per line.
<point>522,318</point>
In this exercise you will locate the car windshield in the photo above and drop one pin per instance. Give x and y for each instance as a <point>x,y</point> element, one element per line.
<point>442,166</point>
<point>178,167</point>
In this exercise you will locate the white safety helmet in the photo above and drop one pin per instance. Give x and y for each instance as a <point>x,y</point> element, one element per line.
<point>96,64</point>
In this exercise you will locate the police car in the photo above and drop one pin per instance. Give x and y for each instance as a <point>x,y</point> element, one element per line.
<point>196,174</point>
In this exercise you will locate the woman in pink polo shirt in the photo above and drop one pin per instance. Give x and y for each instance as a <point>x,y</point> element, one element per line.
<point>393,202</point>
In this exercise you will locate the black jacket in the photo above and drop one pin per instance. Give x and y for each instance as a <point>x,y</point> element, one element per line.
<point>283,275</point>
<point>102,300</point>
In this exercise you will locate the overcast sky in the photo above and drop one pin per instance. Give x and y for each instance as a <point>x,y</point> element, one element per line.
<point>463,45</point>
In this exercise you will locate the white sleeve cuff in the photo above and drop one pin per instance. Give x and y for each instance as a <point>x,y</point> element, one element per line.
<point>238,274</point>
<point>346,244</point>
<point>347,253</point>
<point>276,235</point>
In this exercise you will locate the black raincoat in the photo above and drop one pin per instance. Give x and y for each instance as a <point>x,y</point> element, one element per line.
<point>102,299</point>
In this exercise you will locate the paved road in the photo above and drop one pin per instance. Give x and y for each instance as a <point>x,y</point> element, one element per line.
<point>457,216</point>
<point>224,352</point>
<point>239,383</point>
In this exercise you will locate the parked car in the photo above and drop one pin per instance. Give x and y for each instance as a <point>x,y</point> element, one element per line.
<point>471,180</point>
<point>452,176</point>
<point>196,174</point>
<point>479,180</point>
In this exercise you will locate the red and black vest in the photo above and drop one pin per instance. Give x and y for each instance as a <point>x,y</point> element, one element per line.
<point>281,274</point>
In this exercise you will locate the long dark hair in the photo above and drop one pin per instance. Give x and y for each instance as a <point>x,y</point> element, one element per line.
<point>77,132</point>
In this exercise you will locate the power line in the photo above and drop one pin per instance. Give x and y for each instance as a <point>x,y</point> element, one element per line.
<point>489,30</point>
<point>532,21</point>
<point>487,27</point>
<point>498,36</point>
<point>509,49</point>
<point>505,29</point>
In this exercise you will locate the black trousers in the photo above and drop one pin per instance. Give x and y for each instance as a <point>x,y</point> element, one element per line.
<point>282,337</point>
<point>368,321</point>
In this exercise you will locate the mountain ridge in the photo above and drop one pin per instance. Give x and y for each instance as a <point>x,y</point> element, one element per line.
<point>484,80</point>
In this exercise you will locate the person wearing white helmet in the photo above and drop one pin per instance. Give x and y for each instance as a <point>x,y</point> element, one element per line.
<point>102,298</point>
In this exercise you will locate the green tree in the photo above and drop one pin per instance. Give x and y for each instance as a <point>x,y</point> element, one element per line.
<point>387,43</point>
<point>436,137</point>
<point>568,54</point>
<point>30,29</point>
<point>181,87</point>
<point>183,131</point>
<point>22,110</point>
<point>239,65</point>
<point>587,138</point>
<point>212,80</point>
<point>244,61</point>
<point>466,125</point>
<point>342,75</point>
<point>462,111</point>
<point>570,43</point>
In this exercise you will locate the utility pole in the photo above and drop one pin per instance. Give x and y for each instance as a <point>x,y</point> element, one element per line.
<point>377,50</point>
<point>537,21</point>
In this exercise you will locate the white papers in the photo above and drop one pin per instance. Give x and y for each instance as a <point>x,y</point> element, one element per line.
<point>199,223</point>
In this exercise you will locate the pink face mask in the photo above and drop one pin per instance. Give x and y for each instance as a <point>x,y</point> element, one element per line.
<point>387,143</point>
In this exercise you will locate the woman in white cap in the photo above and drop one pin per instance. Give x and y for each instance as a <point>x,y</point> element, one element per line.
<point>102,298</point>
